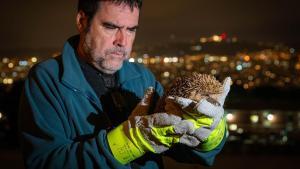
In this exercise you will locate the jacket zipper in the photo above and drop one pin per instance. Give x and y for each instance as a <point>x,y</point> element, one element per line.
<point>99,107</point>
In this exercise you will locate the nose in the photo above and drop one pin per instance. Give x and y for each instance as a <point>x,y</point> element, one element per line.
<point>121,38</point>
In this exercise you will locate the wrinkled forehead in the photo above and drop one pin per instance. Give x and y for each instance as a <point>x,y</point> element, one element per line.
<point>121,4</point>
<point>119,13</point>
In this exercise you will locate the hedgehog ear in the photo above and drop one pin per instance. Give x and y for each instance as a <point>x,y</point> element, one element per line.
<point>226,87</point>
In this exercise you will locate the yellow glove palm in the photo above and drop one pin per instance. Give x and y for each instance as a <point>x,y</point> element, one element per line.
<point>142,133</point>
<point>135,137</point>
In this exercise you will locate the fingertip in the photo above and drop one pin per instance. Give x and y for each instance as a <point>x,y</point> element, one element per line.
<point>227,81</point>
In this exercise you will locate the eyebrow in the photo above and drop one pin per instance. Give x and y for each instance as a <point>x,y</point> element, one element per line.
<point>110,24</point>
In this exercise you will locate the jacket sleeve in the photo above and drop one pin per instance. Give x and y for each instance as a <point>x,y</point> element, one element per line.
<point>44,138</point>
<point>182,153</point>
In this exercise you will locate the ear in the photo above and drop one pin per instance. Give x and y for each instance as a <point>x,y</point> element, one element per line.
<point>81,21</point>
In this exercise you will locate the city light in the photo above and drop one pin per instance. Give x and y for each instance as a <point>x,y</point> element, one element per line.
<point>145,55</point>
<point>254,118</point>
<point>8,81</point>
<point>23,63</point>
<point>203,40</point>
<point>14,74</point>
<point>292,50</point>
<point>34,59</point>
<point>5,60</point>
<point>10,65</point>
<point>166,60</point>
<point>224,59</point>
<point>144,61</point>
<point>257,67</point>
<point>152,60</point>
<point>196,48</point>
<point>230,117</point>
<point>239,82</point>
<point>251,84</point>
<point>239,67</point>
<point>247,58</point>
<point>166,74</point>
<point>1,115</point>
<point>131,60</point>
<point>234,39</point>
<point>287,80</point>
<point>175,59</point>
<point>297,66</point>
<point>216,38</point>
<point>270,117</point>
<point>246,86</point>
<point>284,139</point>
<point>213,71</point>
<point>140,60</point>
<point>250,78</point>
<point>3,74</point>
<point>233,127</point>
<point>240,131</point>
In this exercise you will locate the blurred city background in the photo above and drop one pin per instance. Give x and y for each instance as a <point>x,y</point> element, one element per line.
<point>256,43</point>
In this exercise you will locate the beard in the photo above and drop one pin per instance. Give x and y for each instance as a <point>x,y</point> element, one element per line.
<point>111,61</point>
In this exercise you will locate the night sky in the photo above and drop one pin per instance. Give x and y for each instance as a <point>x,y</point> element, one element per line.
<point>35,25</point>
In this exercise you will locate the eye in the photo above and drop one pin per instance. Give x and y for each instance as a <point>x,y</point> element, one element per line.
<point>132,30</point>
<point>111,27</point>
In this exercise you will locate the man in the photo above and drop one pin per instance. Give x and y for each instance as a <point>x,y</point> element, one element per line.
<point>87,109</point>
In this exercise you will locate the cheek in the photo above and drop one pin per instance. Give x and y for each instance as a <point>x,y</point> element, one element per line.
<point>100,39</point>
<point>99,45</point>
<point>131,39</point>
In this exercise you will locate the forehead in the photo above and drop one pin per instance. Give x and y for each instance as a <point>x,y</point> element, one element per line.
<point>121,14</point>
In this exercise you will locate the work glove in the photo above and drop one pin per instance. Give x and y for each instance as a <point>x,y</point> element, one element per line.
<point>206,117</point>
<point>143,133</point>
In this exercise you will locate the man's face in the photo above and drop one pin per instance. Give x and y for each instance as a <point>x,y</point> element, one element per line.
<point>109,39</point>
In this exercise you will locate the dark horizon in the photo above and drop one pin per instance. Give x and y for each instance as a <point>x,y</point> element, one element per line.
<point>32,25</point>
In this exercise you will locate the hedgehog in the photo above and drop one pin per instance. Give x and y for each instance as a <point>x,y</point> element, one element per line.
<point>196,86</point>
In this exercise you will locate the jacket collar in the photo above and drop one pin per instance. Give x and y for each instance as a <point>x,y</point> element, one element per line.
<point>72,74</point>
<point>127,73</point>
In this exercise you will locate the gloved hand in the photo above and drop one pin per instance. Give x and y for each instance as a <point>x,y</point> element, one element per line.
<point>205,117</point>
<point>142,133</point>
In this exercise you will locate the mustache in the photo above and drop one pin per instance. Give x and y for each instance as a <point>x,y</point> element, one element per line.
<point>121,50</point>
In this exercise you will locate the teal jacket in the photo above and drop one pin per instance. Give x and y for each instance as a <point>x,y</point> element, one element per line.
<point>56,109</point>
